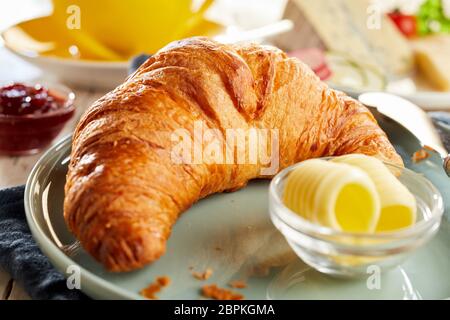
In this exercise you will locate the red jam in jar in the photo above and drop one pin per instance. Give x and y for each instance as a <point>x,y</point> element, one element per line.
<point>31,116</point>
<point>19,99</point>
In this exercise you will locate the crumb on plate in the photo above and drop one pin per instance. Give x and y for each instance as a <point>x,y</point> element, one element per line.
<point>420,155</point>
<point>214,292</point>
<point>203,275</point>
<point>150,291</point>
<point>238,284</point>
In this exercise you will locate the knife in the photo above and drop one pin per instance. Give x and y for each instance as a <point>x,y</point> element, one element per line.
<point>410,117</point>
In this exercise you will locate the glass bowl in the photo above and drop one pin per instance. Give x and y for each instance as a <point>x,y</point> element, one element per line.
<point>30,133</point>
<point>357,254</point>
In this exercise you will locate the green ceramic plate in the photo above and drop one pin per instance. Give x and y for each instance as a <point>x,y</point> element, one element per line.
<point>232,234</point>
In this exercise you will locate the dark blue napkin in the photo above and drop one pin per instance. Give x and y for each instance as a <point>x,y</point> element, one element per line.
<point>21,257</point>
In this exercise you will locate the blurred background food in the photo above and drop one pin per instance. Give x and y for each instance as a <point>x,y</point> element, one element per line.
<point>367,53</point>
<point>433,59</point>
<point>398,46</point>
<point>358,55</point>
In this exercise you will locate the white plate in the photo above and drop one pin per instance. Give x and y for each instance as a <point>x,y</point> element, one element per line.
<point>87,74</point>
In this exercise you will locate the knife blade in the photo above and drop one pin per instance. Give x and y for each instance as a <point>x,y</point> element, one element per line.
<point>409,116</point>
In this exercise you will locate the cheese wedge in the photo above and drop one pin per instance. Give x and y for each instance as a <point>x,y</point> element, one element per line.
<point>433,59</point>
<point>352,27</point>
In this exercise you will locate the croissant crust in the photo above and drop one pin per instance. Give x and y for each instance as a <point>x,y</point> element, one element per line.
<point>124,192</point>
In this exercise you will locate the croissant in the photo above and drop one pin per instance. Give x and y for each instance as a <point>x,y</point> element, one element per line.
<point>127,181</point>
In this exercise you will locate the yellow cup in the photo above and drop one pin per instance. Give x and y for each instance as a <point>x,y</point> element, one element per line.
<point>118,29</point>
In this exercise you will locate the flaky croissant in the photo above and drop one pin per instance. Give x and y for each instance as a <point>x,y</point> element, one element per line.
<point>126,186</point>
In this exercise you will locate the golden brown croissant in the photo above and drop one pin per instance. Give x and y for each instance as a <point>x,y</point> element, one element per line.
<point>126,186</point>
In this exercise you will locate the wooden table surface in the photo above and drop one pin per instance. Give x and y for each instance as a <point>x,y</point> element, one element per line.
<point>15,170</point>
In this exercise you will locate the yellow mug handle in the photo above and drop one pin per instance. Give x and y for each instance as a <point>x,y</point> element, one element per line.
<point>193,21</point>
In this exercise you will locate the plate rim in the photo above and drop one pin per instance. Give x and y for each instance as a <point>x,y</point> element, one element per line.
<point>60,260</point>
<point>85,63</point>
<point>93,285</point>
